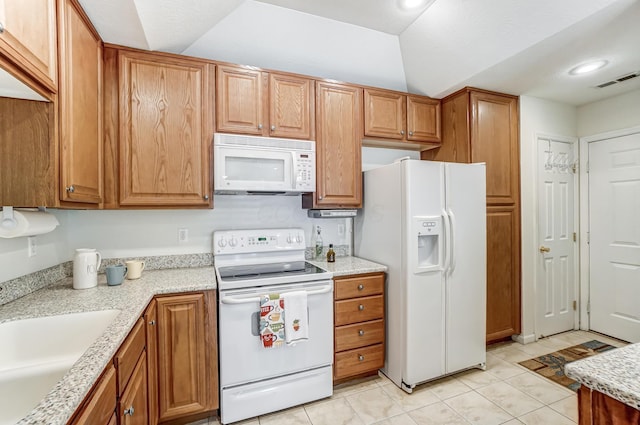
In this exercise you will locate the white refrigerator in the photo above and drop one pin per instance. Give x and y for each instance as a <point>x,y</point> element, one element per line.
<point>427,222</point>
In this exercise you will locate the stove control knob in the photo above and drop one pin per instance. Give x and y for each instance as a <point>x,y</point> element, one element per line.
<point>299,238</point>
<point>233,242</point>
<point>222,243</point>
<point>289,239</point>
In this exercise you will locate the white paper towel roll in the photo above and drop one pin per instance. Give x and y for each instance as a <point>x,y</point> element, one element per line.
<point>27,223</point>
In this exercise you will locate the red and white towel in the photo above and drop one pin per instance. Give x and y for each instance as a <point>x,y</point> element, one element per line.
<point>272,332</point>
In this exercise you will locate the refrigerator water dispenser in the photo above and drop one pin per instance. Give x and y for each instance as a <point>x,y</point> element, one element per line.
<point>428,231</point>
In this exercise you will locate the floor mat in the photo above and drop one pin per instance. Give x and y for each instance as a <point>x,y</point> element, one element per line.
<point>552,365</point>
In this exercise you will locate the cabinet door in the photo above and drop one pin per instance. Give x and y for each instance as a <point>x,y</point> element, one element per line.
<point>151,320</point>
<point>384,114</point>
<point>291,106</point>
<point>101,405</point>
<point>241,105</point>
<point>184,371</point>
<point>423,119</point>
<point>80,107</point>
<point>494,140</point>
<point>166,130</point>
<point>503,272</point>
<point>338,146</point>
<point>29,37</point>
<point>133,408</point>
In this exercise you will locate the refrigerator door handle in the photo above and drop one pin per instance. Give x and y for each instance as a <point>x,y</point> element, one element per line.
<point>451,238</point>
<point>446,242</point>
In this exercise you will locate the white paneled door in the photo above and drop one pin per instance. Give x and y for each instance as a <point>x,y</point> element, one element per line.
<point>614,226</point>
<point>556,265</point>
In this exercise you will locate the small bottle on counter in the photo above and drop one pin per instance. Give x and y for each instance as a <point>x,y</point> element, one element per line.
<point>331,255</point>
<point>319,245</point>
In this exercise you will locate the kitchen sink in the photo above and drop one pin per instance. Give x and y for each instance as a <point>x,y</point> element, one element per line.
<point>36,354</point>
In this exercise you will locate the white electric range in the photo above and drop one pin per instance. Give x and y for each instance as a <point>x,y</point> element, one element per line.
<point>255,380</point>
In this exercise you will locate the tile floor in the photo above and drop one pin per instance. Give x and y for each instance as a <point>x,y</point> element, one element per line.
<point>506,393</point>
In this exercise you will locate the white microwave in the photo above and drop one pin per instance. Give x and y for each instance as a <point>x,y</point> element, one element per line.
<point>263,165</point>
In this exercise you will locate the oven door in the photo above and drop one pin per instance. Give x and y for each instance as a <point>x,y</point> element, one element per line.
<point>243,359</point>
<point>240,169</point>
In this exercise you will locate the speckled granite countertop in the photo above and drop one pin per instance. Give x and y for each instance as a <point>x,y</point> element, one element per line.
<point>350,265</point>
<point>131,298</point>
<point>615,373</point>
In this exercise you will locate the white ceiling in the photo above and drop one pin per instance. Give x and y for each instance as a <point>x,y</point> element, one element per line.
<point>515,46</point>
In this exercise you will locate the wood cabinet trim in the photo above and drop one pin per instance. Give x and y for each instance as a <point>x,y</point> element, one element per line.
<point>127,356</point>
<point>100,404</point>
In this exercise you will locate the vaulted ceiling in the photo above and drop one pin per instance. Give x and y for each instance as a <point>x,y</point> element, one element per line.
<point>514,46</point>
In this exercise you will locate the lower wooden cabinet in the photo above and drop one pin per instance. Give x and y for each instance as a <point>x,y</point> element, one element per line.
<point>166,370</point>
<point>187,358</point>
<point>99,407</point>
<point>359,326</point>
<point>133,408</point>
<point>596,408</point>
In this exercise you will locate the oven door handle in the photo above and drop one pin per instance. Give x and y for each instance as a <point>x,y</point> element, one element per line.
<point>239,300</point>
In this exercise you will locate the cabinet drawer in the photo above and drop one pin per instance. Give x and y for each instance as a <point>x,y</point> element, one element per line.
<point>359,310</point>
<point>359,335</point>
<point>128,355</point>
<point>359,360</point>
<point>102,402</point>
<point>359,286</point>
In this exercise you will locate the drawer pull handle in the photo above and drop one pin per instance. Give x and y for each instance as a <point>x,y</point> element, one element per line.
<point>152,322</point>
<point>129,411</point>
<point>360,357</point>
<point>360,307</point>
<point>360,287</point>
<point>361,332</point>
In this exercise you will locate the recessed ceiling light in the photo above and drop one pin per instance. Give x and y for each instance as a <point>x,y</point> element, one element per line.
<point>588,67</point>
<point>413,4</point>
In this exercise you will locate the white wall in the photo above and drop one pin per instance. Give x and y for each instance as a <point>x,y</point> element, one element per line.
<point>615,113</point>
<point>537,116</point>
<point>155,232</point>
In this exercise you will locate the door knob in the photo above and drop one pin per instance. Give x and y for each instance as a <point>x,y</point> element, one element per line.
<point>544,249</point>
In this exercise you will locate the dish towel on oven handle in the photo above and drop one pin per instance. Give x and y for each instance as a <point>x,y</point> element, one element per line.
<point>271,320</point>
<point>296,317</point>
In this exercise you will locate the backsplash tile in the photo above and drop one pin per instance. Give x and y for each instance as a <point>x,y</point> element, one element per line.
<point>24,285</point>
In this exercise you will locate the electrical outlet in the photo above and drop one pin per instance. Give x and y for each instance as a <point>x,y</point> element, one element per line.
<point>32,246</point>
<point>183,235</point>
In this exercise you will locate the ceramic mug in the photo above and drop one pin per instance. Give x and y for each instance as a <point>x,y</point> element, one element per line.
<point>134,269</point>
<point>115,274</point>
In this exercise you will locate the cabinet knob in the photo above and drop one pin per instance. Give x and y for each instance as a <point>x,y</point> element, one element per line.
<point>273,128</point>
<point>152,322</point>
<point>360,287</point>
<point>411,133</point>
<point>129,411</point>
<point>361,332</point>
<point>259,126</point>
<point>206,197</point>
<point>402,132</point>
<point>360,357</point>
<point>70,189</point>
<point>360,307</point>
<point>320,197</point>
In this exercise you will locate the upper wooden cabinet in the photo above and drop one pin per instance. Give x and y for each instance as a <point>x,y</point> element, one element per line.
<point>80,98</point>
<point>187,355</point>
<point>482,126</point>
<point>338,147</point>
<point>158,130</point>
<point>264,104</point>
<point>397,116</point>
<point>29,38</point>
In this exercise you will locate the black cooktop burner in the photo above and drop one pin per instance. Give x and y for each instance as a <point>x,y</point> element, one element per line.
<point>264,271</point>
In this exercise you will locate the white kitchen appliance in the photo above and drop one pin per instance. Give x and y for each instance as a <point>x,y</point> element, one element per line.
<point>263,165</point>
<point>255,380</point>
<point>426,221</point>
